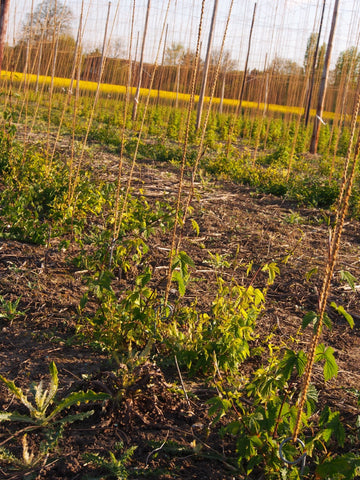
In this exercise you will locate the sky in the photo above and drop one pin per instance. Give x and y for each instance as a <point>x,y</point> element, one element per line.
<point>281,27</point>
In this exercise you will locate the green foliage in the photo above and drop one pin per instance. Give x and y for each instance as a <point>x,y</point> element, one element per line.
<point>315,192</point>
<point>344,142</point>
<point>218,339</point>
<point>257,395</point>
<point>180,271</point>
<point>34,202</point>
<point>279,157</point>
<point>260,413</point>
<point>344,467</point>
<point>119,323</point>
<point>7,146</point>
<point>260,410</point>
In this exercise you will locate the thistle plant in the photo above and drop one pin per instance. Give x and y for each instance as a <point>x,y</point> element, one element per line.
<point>115,467</point>
<point>39,413</point>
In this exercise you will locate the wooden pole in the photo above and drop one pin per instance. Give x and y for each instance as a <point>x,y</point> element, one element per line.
<point>206,67</point>
<point>312,80</point>
<point>323,83</point>
<point>4,18</point>
<point>141,68</point>
<point>238,108</point>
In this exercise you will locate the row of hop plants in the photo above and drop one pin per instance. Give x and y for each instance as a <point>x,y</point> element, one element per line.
<point>265,153</point>
<point>249,127</point>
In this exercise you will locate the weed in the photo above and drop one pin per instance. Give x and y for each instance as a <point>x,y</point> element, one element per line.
<point>9,310</point>
<point>114,467</point>
<point>43,399</point>
<point>30,459</point>
<point>294,218</point>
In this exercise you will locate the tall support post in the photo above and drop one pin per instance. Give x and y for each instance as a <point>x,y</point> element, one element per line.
<point>323,84</point>
<point>206,67</point>
<point>4,18</point>
<point>141,67</point>
<point>312,80</point>
<point>241,96</point>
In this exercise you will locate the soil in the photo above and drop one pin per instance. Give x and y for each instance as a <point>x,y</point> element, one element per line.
<point>235,222</point>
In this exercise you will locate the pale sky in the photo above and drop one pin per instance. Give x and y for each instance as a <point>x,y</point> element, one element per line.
<point>281,27</point>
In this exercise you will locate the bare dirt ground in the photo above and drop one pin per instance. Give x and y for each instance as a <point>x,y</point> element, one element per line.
<point>233,221</point>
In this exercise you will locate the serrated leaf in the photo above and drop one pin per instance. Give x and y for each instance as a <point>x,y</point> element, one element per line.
<point>310,273</point>
<point>291,360</point>
<point>77,417</point>
<point>258,297</point>
<point>312,397</point>
<point>8,457</point>
<point>272,270</point>
<point>195,226</point>
<point>54,380</point>
<point>336,427</point>
<point>17,392</point>
<point>347,277</point>
<point>233,428</point>
<point>40,396</point>
<point>346,464</point>
<point>84,300</point>
<point>330,367</point>
<point>326,354</point>
<point>310,317</point>
<point>77,397</point>
<point>327,321</point>
<point>218,407</point>
<point>186,259</point>
<point>15,417</point>
<point>341,310</point>
<point>177,277</point>
<point>255,440</point>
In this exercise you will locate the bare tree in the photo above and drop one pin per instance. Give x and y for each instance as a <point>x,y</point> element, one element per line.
<point>116,48</point>
<point>174,54</point>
